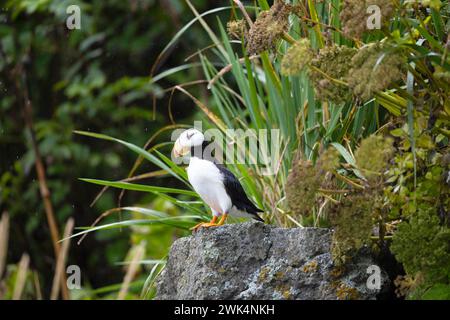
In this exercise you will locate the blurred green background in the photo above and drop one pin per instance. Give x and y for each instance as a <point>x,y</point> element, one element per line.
<point>94,79</point>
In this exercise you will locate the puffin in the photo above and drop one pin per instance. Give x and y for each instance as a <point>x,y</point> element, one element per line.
<point>217,186</point>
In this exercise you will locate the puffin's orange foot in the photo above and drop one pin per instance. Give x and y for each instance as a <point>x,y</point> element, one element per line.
<point>210,224</point>
<point>197,226</point>
<point>205,224</point>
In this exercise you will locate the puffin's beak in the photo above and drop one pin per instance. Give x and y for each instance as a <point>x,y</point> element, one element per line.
<point>179,151</point>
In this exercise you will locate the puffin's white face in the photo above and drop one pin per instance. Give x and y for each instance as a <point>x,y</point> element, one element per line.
<point>188,139</point>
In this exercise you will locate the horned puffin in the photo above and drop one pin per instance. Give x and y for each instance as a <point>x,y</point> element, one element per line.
<point>215,184</point>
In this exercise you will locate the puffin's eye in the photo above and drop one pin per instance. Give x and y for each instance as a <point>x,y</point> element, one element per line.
<point>189,136</point>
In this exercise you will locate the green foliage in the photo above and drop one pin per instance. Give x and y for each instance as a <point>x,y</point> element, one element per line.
<point>302,186</point>
<point>352,219</point>
<point>297,57</point>
<point>438,291</point>
<point>332,63</point>
<point>430,254</point>
<point>268,28</point>
<point>421,199</point>
<point>388,184</point>
<point>355,11</point>
<point>7,288</point>
<point>373,155</point>
<point>237,28</point>
<point>305,180</point>
<point>356,213</point>
<point>374,68</point>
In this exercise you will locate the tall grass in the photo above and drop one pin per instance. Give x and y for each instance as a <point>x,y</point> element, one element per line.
<point>249,92</point>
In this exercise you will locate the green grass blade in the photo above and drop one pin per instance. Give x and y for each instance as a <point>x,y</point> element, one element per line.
<point>139,187</point>
<point>142,152</point>
<point>182,222</point>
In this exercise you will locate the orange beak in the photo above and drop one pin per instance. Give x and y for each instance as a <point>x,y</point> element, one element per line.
<point>179,151</point>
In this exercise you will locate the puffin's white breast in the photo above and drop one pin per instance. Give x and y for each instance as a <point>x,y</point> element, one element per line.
<point>207,181</point>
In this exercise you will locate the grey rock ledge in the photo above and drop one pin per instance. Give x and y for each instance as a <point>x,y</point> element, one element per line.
<point>257,261</point>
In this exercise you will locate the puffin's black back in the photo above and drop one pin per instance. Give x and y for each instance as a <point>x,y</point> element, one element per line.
<point>232,185</point>
<point>237,193</point>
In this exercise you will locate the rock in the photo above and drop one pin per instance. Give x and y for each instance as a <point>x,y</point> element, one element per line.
<point>257,261</point>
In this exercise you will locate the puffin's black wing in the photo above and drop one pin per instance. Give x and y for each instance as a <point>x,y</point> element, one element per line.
<point>237,194</point>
